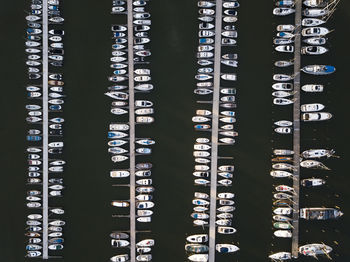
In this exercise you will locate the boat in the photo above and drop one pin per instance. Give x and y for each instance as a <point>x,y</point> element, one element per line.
<point>201,181</point>
<point>199,257</point>
<point>315,12</point>
<point>282,196</point>
<point>315,3</point>
<point>117,150</point>
<point>200,215</point>
<point>282,77</point>
<point>280,173</point>
<point>226,230</point>
<point>285,48</point>
<point>315,40</point>
<point>282,225</point>
<point>317,153</point>
<point>201,147</point>
<point>284,188</point>
<point>144,111</point>
<point>283,11</point>
<point>320,213</point>
<point>321,116</point>
<point>313,50</point>
<point>230,12</point>
<point>200,238</point>
<point>282,101</point>
<point>312,22</point>
<point>285,28</point>
<point>147,257</point>
<point>286,35</point>
<point>119,243</point>
<point>318,69</point>
<point>312,182</point>
<point>314,31</point>
<point>283,130</point>
<point>117,134</point>
<point>119,158</point>
<point>226,248</point>
<point>118,127</point>
<point>145,243</point>
<point>282,63</point>
<point>33,253</point>
<point>56,247</point>
<point>144,119</point>
<point>312,107</point>
<point>120,258</point>
<point>229,77</point>
<point>282,86</point>
<point>201,195</point>
<point>312,88</point>
<point>202,91</point>
<point>283,41</point>
<point>196,248</point>
<point>230,19</point>
<point>230,34</point>
<point>280,152</point>
<point>206,11</point>
<point>280,256</point>
<point>145,142</point>
<point>283,123</point>
<point>144,87</point>
<point>228,41</point>
<point>280,218</point>
<point>56,240</point>
<point>314,249</point>
<point>145,189</point>
<point>225,209</point>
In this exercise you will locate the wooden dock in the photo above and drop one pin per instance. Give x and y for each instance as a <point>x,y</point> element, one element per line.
<point>131,131</point>
<point>45,202</point>
<point>296,124</point>
<point>215,130</point>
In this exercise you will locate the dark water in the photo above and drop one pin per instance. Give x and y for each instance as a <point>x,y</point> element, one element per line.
<point>174,40</point>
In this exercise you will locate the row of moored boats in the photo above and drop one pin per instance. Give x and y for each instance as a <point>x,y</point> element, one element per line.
<point>313,37</point>
<point>35,150</point>
<point>130,84</point>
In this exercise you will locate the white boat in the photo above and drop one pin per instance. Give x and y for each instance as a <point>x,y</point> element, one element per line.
<point>144,204</point>
<point>282,77</point>
<point>232,4</point>
<point>314,249</point>
<point>315,12</point>
<point>118,111</point>
<point>120,258</point>
<point>117,9</point>
<point>201,181</point>
<point>202,91</point>
<point>283,211</point>
<point>280,256</point>
<point>281,11</point>
<point>117,150</point>
<point>200,238</point>
<point>201,167</point>
<point>286,35</point>
<point>201,195</point>
<point>312,182</point>
<point>314,31</point>
<point>283,130</point>
<point>283,123</point>
<point>202,112</point>
<point>312,107</point>
<point>206,11</point>
<point>229,77</point>
<point>201,147</point>
<point>283,63</point>
<point>205,4</point>
<point>282,94</point>
<point>230,34</point>
<point>285,48</point>
<point>144,119</point>
<point>145,243</point>
<point>144,111</point>
<point>285,28</point>
<point>313,50</point>
<point>200,202</point>
<point>282,101</point>
<point>147,257</point>
<point>318,69</point>
<point>33,253</point>
<point>226,230</point>
<point>202,140</point>
<point>314,88</point>
<point>226,248</point>
<point>144,198</point>
<point>56,144</point>
<point>312,22</point>
<point>119,243</point>
<point>283,86</point>
<point>119,173</point>
<point>280,173</point>
<point>315,40</point>
<point>143,173</point>
<point>315,3</point>
<point>145,142</point>
<point>199,257</point>
<point>228,119</point>
<point>144,87</point>
<point>119,203</point>
<point>230,19</point>
<point>283,41</point>
<point>118,127</point>
<point>225,209</point>
<point>119,158</point>
<point>313,164</point>
<point>317,153</point>
<point>321,116</point>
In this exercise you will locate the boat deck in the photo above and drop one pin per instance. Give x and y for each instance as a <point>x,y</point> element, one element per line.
<point>296,134</point>
<point>131,131</point>
<point>45,201</point>
<point>215,130</point>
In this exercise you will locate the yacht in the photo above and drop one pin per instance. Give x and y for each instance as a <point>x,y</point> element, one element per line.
<point>283,123</point>
<point>312,88</point>
<point>318,69</point>
<point>312,22</point>
<point>312,107</point>
<point>196,248</point>
<point>282,101</point>
<point>145,243</point>
<point>315,249</point>
<point>313,50</point>
<point>226,230</point>
<point>282,11</point>
<point>317,153</point>
<point>285,28</point>
<point>315,12</point>
<point>200,238</point>
<point>315,40</point>
<point>280,256</point>
<point>321,116</point>
<point>312,182</point>
<point>199,257</point>
<point>280,173</point>
<point>285,48</point>
<point>120,258</point>
<point>314,31</point>
<point>320,213</point>
<point>283,86</point>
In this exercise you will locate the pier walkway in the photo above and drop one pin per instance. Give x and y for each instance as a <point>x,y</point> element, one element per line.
<point>296,124</point>
<point>215,130</point>
<point>45,201</point>
<point>131,131</point>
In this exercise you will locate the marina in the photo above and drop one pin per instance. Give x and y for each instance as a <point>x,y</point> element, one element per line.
<point>88,192</point>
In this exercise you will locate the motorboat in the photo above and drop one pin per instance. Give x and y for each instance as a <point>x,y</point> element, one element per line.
<point>320,213</point>
<point>56,19</point>
<point>312,182</point>
<point>314,249</point>
<point>144,111</point>
<point>283,130</point>
<point>285,28</point>
<point>321,116</point>
<point>145,257</point>
<point>226,248</point>
<point>206,11</point>
<point>119,127</point>
<point>281,256</point>
<point>312,107</point>
<point>282,101</point>
<point>118,203</point>
<point>315,40</point>
<point>200,238</point>
<point>202,127</point>
<point>145,142</point>
<point>145,243</point>
<point>201,195</point>
<point>145,189</point>
<point>201,181</point>
<point>120,258</point>
<point>313,164</point>
<point>57,211</point>
<point>33,253</point>
<point>119,243</point>
<point>314,31</point>
<point>226,230</point>
<point>284,188</point>
<point>283,211</point>
<point>226,202</point>
<point>143,173</point>
<point>117,134</point>
<point>312,22</point>
<point>201,147</point>
<point>283,86</point>
<point>312,88</point>
<point>201,174</point>
<point>281,196</point>
<point>285,48</point>
<point>199,257</point>
<point>144,119</point>
<point>229,77</point>
<point>313,50</point>
<point>199,215</point>
<point>283,11</point>
<point>283,41</point>
<point>202,140</point>
<point>315,3</point>
<point>318,69</point>
<point>117,95</point>
<point>196,248</point>
<point>230,12</point>
<point>226,209</point>
<point>280,173</point>
<point>283,123</point>
<point>203,91</point>
<point>225,215</point>
<point>282,63</point>
<point>119,158</point>
<point>282,77</point>
<point>315,12</point>
<point>117,150</point>
<point>230,19</point>
<point>144,197</point>
<point>317,153</point>
<point>230,33</point>
<point>201,167</point>
<point>280,218</point>
<point>286,35</point>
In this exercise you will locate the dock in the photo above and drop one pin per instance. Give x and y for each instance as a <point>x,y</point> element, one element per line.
<point>215,130</point>
<point>45,199</point>
<point>131,131</point>
<point>296,134</point>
